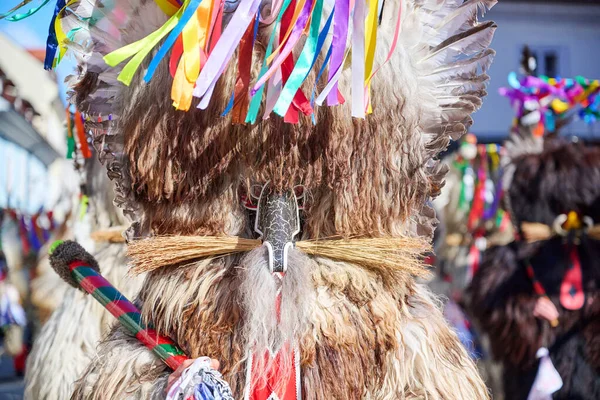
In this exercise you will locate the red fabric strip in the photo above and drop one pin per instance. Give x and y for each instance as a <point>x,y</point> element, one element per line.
<point>150,336</point>
<point>571,288</point>
<point>175,361</point>
<point>85,148</point>
<point>77,264</point>
<point>292,115</point>
<point>242,84</point>
<point>217,28</point>
<point>263,390</point>
<point>175,56</point>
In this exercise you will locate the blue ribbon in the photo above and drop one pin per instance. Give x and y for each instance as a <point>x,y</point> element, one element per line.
<point>229,106</point>
<point>52,41</point>
<point>164,49</point>
<point>312,97</point>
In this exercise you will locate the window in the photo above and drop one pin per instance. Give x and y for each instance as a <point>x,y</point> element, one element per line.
<point>547,60</point>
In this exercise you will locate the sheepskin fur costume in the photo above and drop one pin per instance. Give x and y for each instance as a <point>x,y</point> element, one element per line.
<point>68,340</point>
<point>362,331</point>
<point>563,177</point>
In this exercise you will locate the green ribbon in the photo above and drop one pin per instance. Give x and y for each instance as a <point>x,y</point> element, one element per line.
<point>19,17</point>
<point>499,217</point>
<point>140,49</point>
<point>70,147</point>
<point>462,167</point>
<point>304,64</point>
<point>15,9</point>
<point>256,100</point>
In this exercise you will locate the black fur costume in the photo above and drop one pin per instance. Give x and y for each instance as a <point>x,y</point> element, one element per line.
<point>564,177</point>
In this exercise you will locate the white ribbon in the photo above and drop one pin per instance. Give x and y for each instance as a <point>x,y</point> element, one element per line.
<point>547,380</point>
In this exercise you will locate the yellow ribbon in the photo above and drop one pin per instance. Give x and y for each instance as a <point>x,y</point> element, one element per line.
<point>370,44</point>
<point>167,7</point>
<point>181,90</point>
<point>61,37</point>
<point>559,106</point>
<point>591,88</point>
<point>195,38</point>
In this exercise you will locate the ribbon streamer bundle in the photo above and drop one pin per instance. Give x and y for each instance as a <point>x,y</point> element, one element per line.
<point>551,100</point>
<point>203,35</point>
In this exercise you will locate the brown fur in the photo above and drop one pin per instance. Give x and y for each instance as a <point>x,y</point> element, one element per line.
<point>363,340</point>
<point>363,331</point>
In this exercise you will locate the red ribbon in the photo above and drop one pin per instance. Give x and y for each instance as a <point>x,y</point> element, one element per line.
<point>278,380</point>
<point>242,84</point>
<point>571,287</point>
<point>85,148</point>
<point>300,102</point>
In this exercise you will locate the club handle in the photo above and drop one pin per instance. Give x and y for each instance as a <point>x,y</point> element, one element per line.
<point>127,313</point>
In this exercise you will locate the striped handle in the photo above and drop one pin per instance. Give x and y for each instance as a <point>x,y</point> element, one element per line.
<point>127,313</point>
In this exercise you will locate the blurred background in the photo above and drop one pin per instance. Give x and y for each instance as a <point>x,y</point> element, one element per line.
<point>39,187</point>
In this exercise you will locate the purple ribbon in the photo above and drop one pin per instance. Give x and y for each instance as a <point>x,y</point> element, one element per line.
<point>338,45</point>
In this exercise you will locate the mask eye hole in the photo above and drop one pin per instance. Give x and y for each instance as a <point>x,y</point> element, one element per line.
<point>299,192</point>
<point>255,191</point>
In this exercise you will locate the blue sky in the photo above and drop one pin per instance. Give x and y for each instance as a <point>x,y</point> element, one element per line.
<point>31,33</point>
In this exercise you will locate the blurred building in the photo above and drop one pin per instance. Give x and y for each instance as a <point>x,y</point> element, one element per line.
<point>565,38</point>
<point>32,133</point>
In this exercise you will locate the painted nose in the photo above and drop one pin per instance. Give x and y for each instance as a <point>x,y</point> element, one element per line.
<point>278,223</point>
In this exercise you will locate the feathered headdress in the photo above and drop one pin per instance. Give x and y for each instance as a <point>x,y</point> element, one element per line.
<point>237,59</point>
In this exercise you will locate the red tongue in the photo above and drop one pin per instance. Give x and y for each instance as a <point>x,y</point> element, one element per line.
<point>571,288</point>
<point>280,383</point>
<point>274,379</point>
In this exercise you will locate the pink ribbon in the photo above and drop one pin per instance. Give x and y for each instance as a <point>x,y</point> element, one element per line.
<point>289,46</point>
<point>221,54</point>
<point>358,59</point>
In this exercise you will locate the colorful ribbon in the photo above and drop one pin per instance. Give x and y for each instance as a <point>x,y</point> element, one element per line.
<point>306,61</point>
<point>338,46</point>
<point>554,99</point>
<point>52,41</point>
<point>81,136</point>
<point>200,52</point>
<point>256,100</point>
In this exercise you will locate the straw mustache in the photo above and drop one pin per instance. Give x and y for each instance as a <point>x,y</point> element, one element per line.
<point>403,253</point>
